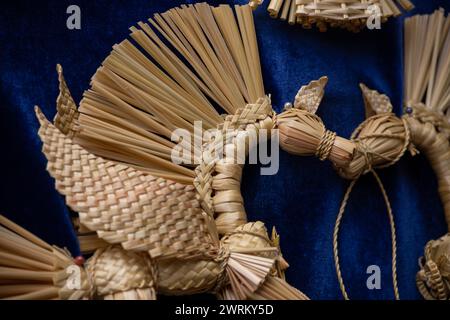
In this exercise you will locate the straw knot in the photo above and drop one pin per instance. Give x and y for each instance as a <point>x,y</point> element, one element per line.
<point>433,278</point>
<point>325,145</point>
<point>380,142</point>
<point>222,259</point>
<point>427,115</point>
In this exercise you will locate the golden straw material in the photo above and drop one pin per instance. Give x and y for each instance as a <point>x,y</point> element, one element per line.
<point>427,108</point>
<point>433,279</point>
<point>380,142</point>
<point>66,109</point>
<point>427,65</point>
<point>124,205</point>
<point>310,96</point>
<point>218,177</point>
<point>436,148</point>
<point>117,166</point>
<point>179,64</point>
<point>303,133</point>
<point>118,274</point>
<point>31,269</point>
<point>352,15</point>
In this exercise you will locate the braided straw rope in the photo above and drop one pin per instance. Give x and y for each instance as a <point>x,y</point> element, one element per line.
<point>218,177</point>
<point>123,205</point>
<point>67,113</point>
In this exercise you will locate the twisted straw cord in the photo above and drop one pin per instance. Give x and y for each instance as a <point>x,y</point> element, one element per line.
<point>325,145</point>
<point>393,236</point>
<point>336,239</point>
<point>369,155</point>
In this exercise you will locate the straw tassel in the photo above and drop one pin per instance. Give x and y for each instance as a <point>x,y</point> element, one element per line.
<point>32,269</point>
<point>246,273</point>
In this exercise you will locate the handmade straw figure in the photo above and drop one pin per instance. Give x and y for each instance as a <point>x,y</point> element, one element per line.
<point>383,138</point>
<point>161,213</point>
<point>427,105</point>
<point>351,15</point>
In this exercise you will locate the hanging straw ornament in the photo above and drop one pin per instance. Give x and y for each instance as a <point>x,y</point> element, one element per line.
<point>352,15</point>
<point>164,221</point>
<point>427,108</point>
<point>382,139</point>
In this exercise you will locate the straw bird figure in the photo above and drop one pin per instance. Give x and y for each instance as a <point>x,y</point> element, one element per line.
<point>160,214</point>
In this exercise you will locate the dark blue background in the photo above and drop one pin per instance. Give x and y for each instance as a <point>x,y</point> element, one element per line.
<point>302,200</point>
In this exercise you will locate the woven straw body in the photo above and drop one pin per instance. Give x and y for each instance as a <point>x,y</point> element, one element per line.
<point>123,205</point>
<point>187,277</point>
<point>114,160</point>
<point>118,274</point>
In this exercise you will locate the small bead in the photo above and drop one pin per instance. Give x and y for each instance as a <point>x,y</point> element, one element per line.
<point>409,110</point>
<point>287,106</point>
<point>79,261</point>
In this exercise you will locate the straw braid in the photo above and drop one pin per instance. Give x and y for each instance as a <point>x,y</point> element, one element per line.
<point>124,205</point>
<point>325,145</point>
<point>218,177</point>
<point>66,109</point>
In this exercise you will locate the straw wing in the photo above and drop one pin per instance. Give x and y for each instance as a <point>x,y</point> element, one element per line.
<point>124,205</point>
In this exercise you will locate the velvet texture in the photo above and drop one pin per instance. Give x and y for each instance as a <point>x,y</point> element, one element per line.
<point>302,200</point>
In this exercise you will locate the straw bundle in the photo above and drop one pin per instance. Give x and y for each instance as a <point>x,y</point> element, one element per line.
<point>31,269</point>
<point>349,14</point>
<point>436,148</point>
<point>183,62</point>
<point>427,69</point>
<point>303,133</point>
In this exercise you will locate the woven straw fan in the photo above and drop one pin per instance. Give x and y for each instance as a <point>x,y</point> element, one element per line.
<point>177,226</point>
<point>352,15</point>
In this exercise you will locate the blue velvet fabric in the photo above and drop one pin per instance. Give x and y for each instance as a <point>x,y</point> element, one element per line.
<point>302,200</point>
